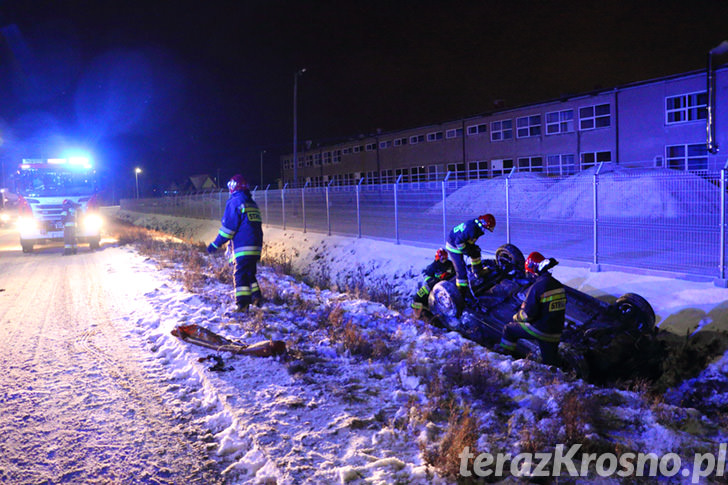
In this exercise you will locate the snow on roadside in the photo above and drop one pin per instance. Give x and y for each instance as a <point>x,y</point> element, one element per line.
<point>333,417</point>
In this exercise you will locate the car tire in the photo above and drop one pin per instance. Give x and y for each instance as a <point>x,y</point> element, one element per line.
<point>632,308</point>
<point>446,304</point>
<point>27,247</point>
<point>94,244</point>
<point>510,258</point>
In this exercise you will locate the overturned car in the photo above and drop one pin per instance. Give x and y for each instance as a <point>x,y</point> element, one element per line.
<point>600,342</point>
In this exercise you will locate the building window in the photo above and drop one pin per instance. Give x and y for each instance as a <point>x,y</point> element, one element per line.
<point>309,160</point>
<point>327,158</point>
<point>457,170</point>
<point>346,151</point>
<point>419,174</point>
<point>477,170</point>
<point>370,147</point>
<point>589,159</point>
<point>415,139</point>
<point>477,129</point>
<point>387,176</point>
<point>501,166</point>
<point>384,144</point>
<point>432,172</point>
<point>560,164</point>
<point>404,172</point>
<point>687,157</point>
<point>317,159</point>
<point>454,133</point>
<point>530,164</point>
<point>434,136</point>
<point>528,126</point>
<point>501,130</point>
<point>337,156</point>
<point>358,148</point>
<point>400,142</point>
<point>560,122</point>
<point>597,116</point>
<point>686,107</point>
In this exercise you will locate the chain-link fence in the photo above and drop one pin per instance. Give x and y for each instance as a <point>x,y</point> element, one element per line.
<point>652,219</point>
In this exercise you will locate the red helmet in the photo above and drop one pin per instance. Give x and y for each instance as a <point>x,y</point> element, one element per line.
<point>486,221</point>
<point>237,183</point>
<point>441,255</point>
<point>535,262</point>
<point>66,202</point>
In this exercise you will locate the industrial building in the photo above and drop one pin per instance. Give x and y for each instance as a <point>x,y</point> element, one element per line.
<point>677,122</point>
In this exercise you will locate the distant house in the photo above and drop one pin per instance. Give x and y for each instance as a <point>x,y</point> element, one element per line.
<point>198,183</point>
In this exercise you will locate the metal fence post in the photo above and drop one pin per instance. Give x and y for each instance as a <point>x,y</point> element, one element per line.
<point>508,205</point>
<point>358,207</point>
<point>328,208</point>
<point>444,208</point>
<point>283,205</point>
<point>722,281</point>
<point>396,209</point>
<point>303,203</point>
<point>595,264</point>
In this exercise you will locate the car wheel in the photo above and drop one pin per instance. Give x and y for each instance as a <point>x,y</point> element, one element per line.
<point>573,361</point>
<point>510,258</point>
<point>446,303</point>
<point>27,247</point>
<point>94,244</point>
<point>632,308</point>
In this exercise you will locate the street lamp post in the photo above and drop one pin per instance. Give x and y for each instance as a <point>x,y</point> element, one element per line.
<point>261,167</point>
<point>718,50</point>
<point>295,123</point>
<point>137,171</point>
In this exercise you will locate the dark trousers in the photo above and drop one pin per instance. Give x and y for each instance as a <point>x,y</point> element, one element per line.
<point>246,285</point>
<point>514,331</point>
<point>70,243</point>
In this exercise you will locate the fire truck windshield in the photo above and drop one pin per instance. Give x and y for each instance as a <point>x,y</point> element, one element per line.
<point>50,182</point>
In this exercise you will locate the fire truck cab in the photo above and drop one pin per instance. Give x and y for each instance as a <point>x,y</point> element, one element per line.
<point>42,185</point>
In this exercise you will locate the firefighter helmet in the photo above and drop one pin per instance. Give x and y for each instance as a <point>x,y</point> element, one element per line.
<point>486,221</point>
<point>535,263</point>
<point>237,183</point>
<point>441,255</point>
<point>66,202</point>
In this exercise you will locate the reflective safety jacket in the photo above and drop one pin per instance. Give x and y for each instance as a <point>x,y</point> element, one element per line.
<point>463,236</point>
<point>242,225</point>
<point>543,311</point>
<point>69,215</point>
<point>438,271</point>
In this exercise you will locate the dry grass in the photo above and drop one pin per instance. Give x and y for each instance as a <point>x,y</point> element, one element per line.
<point>462,432</point>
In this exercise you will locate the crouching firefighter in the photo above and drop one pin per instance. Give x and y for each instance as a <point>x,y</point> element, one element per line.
<point>460,243</point>
<point>439,270</point>
<point>242,227</point>
<point>542,313</point>
<point>69,218</point>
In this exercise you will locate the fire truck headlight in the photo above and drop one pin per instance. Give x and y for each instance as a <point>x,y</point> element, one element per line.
<point>92,222</point>
<point>4,217</point>
<point>27,225</point>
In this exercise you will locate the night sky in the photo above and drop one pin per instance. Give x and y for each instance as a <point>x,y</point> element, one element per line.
<point>181,87</point>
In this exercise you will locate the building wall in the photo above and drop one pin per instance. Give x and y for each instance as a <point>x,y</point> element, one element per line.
<point>652,123</point>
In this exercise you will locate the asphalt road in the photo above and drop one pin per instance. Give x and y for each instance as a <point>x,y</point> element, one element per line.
<point>81,400</point>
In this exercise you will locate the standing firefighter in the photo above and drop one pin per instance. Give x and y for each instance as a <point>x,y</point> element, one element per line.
<point>242,226</point>
<point>461,242</point>
<point>542,313</point>
<point>69,218</point>
<point>440,269</point>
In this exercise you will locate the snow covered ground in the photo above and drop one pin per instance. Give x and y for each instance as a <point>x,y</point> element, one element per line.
<point>372,396</point>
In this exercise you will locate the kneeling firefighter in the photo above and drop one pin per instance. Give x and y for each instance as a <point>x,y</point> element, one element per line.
<point>542,313</point>
<point>439,270</point>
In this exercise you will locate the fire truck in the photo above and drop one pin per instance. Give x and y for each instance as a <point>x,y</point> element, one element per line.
<point>42,185</point>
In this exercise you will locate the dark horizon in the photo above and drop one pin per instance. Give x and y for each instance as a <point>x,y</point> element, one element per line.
<point>181,88</point>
